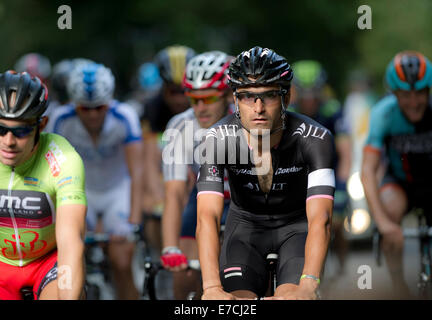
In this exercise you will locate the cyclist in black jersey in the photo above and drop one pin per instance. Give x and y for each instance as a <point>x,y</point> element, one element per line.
<point>281,176</point>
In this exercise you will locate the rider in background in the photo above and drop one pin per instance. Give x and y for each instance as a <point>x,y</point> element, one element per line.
<point>312,98</point>
<point>401,129</point>
<point>39,66</point>
<point>171,62</point>
<point>36,65</point>
<point>59,78</point>
<point>205,84</point>
<point>146,85</point>
<point>107,134</point>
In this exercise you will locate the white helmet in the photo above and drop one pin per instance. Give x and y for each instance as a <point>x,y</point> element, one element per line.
<point>207,71</point>
<point>91,85</point>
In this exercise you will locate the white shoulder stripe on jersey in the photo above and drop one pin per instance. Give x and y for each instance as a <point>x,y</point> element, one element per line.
<point>129,114</point>
<point>321,177</point>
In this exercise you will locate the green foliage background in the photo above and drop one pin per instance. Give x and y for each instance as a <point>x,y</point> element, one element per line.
<point>124,34</point>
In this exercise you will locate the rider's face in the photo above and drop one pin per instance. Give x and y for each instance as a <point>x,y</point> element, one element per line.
<point>260,115</point>
<point>413,103</point>
<point>16,150</point>
<point>92,118</point>
<point>174,98</point>
<point>209,106</point>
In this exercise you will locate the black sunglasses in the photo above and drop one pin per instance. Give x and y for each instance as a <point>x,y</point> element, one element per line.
<point>97,108</point>
<point>267,97</point>
<point>19,132</point>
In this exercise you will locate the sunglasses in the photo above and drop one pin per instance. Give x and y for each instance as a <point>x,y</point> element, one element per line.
<point>195,99</point>
<point>267,97</point>
<point>19,132</point>
<point>97,108</point>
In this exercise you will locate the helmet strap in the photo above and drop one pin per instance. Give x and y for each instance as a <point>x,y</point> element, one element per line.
<point>37,136</point>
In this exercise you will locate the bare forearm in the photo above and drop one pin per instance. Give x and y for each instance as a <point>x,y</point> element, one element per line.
<point>136,187</point>
<point>71,270</point>
<point>371,190</point>
<point>171,221</point>
<point>316,247</point>
<point>207,236</point>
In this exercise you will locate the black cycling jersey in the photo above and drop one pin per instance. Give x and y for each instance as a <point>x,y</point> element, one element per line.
<point>302,166</point>
<point>156,114</point>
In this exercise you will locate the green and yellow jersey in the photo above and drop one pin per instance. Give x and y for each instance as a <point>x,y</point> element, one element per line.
<point>29,195</point>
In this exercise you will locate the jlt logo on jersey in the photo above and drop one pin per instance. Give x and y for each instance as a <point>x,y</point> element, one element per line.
<point>313,131</point>
<point>226,130</point>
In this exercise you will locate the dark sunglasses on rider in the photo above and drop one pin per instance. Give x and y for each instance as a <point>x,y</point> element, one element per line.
<point>267,97</point>
<point>87,109</point>
<point>19,131</point>
<point>194,99</point>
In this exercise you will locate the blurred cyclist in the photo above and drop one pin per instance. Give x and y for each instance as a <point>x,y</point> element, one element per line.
<point>59,78</point>
<point>107,134</point>
<point>171,62</point>
<point>205,83</point>
<point>36,65</point>
<point>401,128</point>
<point>39,66</point>
<point>43,203</point>
<point>310,85</point>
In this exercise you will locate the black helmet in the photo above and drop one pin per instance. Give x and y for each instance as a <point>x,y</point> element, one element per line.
<point>259,67</point>
<point>30,96</point>
<point>172,62</point>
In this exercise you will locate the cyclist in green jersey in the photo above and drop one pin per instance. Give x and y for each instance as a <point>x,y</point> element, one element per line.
<point>42,198</point>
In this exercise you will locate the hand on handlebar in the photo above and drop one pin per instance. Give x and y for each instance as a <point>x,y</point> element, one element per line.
<point>173,259</point>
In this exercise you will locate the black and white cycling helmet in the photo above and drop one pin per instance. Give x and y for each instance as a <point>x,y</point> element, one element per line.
<point>91,85</point>
<point>22,97</point>
<point>259,67</point>
<point>207,70</point>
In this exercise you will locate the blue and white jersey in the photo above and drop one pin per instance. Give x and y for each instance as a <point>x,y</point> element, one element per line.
<point>105,162</point>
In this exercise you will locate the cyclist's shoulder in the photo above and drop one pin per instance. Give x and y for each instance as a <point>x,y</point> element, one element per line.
<point>57,144</point>
<point>306,135</point>
<point>386,114</point>
<point>55,158</point>
<point>62,112</point>
<point>228,126</point>
<point>178,120</point>
<point>386,105</point>
<point>295,120</point>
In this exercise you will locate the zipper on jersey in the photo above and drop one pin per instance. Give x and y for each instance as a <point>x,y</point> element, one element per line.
<point>275,165</point>
<point>12,215</point>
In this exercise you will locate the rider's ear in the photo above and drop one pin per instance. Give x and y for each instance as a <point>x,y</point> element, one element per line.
<point>43,123</point>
